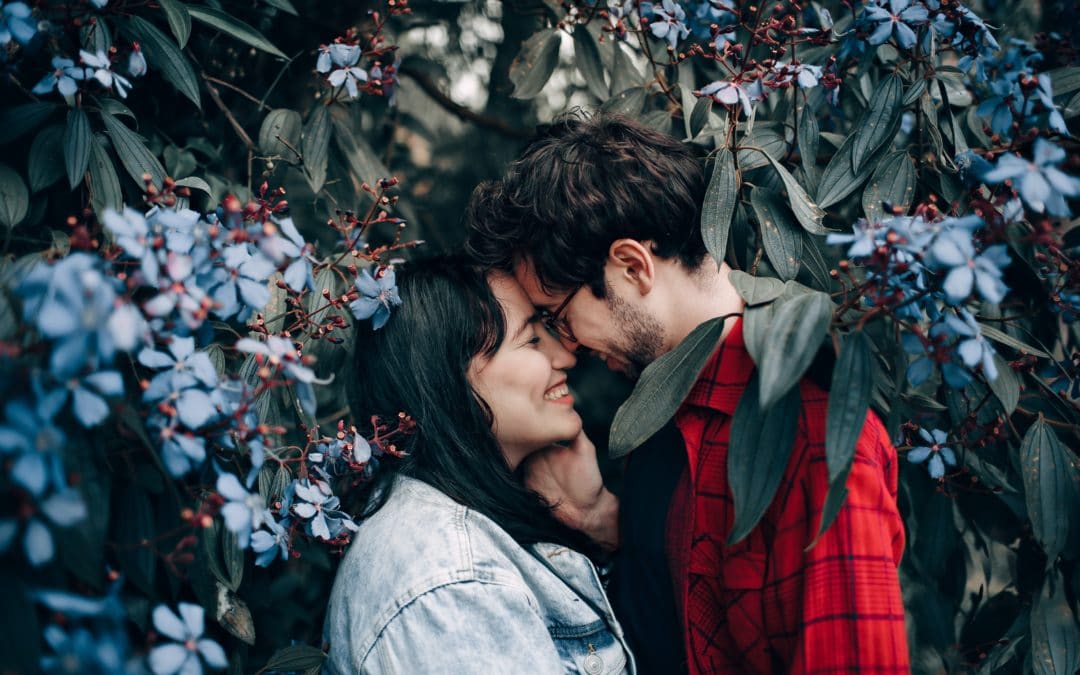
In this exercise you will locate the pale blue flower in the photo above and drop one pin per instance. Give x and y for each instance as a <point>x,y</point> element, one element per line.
<point>377,297</point>
<point>1041,185</point>
<point>16,23</point>
<point>243,511</point>
<point>183,656</point>
<point>936,450</point>
<point>668,23</point>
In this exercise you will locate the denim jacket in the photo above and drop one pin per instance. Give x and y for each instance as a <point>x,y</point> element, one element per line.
<point>430,586</point>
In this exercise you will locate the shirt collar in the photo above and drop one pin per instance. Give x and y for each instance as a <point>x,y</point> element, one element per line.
<point>724,377</point>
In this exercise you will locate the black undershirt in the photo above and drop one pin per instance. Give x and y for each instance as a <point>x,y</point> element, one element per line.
<point>640,589</point>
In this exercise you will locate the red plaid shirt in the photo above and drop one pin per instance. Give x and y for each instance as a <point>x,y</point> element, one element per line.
<point>765,605</point>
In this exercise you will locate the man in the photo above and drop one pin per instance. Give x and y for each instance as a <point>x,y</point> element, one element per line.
<point>599,222</point>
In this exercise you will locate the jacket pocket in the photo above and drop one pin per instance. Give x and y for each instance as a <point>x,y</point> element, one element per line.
<point>588,648</point>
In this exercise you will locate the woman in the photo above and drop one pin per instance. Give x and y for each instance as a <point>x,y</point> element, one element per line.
<point>457,567</point>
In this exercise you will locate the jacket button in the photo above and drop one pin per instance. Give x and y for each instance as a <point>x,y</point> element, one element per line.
<point>594,665</point>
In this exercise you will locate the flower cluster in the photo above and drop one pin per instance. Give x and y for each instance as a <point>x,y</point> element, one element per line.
<point>1016,97</point>
<point>87,634</point>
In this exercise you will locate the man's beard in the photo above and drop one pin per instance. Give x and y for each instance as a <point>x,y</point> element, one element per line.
<point>640,335</point>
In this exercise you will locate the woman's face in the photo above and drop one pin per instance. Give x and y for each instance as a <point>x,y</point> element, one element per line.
<point>524,381</point>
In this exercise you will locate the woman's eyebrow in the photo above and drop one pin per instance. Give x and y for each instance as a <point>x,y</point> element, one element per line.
<point>522,327</point>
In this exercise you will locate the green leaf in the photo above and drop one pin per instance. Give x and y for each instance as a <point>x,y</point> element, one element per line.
<point>1006,386</point>
<point>14,197</point>
<point>758,454</point>
<point>211,538</point>
<point>295,657</point>
<point>1055,640</point>
<point>756,290</point>
<point>624,74</point>
<point>719,204</point>
<point>699,115</point>
<point>760,148</point>
<point>104,183</point>
<point>179,20</point>
<point>317,146</point>
<point>163,54</point>
<point>628,102</point>
<point>587,60</point>
<point>813,263</point>
<point>782,240</point>
<point>661,389</point>
<point>22,119</point>
<point>533,66</point>
<point>808,144</point>
<point>77,137</point>
<point>115,108</point>
<point>283,5</point>
<point>806,211</point>
<point>1049,473</point>
<point>235,28</point>
<point>913,93</point>
<point>1063,80</point>
<point>196,183</point>
<point>798,328</point>
<point>893,182</point>
<point>363,162</point>
<point>839,178</point>
<point>232,557</point>
<point>1004,338</point>
<point>133,153</point>
<point>876,126</point>
<point>279,135</point>
<point>133,529</point>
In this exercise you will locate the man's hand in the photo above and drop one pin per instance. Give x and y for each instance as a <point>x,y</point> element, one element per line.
<point>568,477</point>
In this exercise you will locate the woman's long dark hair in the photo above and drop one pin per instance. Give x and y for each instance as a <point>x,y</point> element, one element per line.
<point>418,364</point>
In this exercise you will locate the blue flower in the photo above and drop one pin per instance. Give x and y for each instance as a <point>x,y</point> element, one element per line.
<point>973,348</point>
<point>183,655</point>
<point>377,297</point>
<point>318,505</point>
<point>80,651</point>
<point>732,93</point>
<point>668,23</point>
<point>347,73</point>
<point>37,443</point>
<point>243,277</point>
<point>1041,185</point>
<point>136,62</point>
<point>998,108</point>
<point>185,368</point>
<point>722,13</point>
<point>64,509</point>
<point>290,247</point>
<point>181,451</point>
<point>89,394</point>
<point>281,353</point>
<point>100,69</point>
<point>133,234</point>
<point>65,77</point>
<point>243,511</point>
<point>931,352</point>
<point>898,21</point>
<point>954,250</point>
<point>938,454</point>
<point>269,545</point>
<point>16,22</point>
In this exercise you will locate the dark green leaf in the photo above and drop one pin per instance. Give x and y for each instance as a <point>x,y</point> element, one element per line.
<point>163,54</point>
<point>20,634</point>
<point>893,182</point>
<point>77,137</point>
<point>1072,108</point>
<point>284,5</point>
<point>363,162</point>
<point>133,531</point>
<point>779,235</point>
<point>179,20</point>
<point>813,263</point>
<point>279,135</point>
<point>21,119</point>
<point>699,116</point>
<point>104,183</point>
<point>913,93</point>
<point>232,558</point>
<point>533,66</point>
<point>1063,80</point>
<point>317,146</point>
<point>628,102</point>
<point>624,74</point>
<point>1055,639</point>
<point>295,657</point>
<point>808,144</point>
<point>756,290</point>
<point>1009,341</point>
<point>839,178</point>
<point>235,28</point>
<point>760,148</point>
<point>875,127</point>
<point>798,328</point>
<point>1048,472</point>
<point>660,120</point>
<point>761,441</point>
<point>14,197</point>
<point>587,60</point>
<point>211,543</point>
<point>806,211</point>
<point>719,204</point>
<point>195,183</point>
<point>133,153</point>
<point>661,389</point>
<point>1006,386</point>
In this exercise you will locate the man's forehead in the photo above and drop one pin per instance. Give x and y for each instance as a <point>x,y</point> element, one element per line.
<point>526,276</point>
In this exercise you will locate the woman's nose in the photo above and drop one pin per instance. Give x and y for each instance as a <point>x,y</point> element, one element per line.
<point>558,350</point>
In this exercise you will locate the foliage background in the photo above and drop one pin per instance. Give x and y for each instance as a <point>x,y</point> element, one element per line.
<point>991,578</point>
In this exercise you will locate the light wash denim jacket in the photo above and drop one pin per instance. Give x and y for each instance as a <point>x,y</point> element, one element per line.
<point>429,586</point>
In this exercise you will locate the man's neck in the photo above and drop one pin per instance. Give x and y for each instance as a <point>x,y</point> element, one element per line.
<point>696,297</point>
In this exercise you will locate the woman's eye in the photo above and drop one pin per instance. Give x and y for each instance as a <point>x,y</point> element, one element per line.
<point>534,340</point>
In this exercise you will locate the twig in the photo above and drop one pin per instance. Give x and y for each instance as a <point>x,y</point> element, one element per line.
<point>450,105</point>
<point>238,90</point>
<point>216,96</point>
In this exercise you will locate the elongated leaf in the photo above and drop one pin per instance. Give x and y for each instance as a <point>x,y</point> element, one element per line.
<point>760,148</point>
<point>77,137</point>
<point>839,178</point>
<point>779,235</point>
<point>133,153</point>
<point>279,135</point>
<point>813,263</point>
<point>758,454</point>
<point>628,102</point>
<point>232,557</point>
<point>163,54</point>
<point>913,93</point>
<point>317,146</point>
<point>1055,640</point>
<point>587,60</point>
<point>284,5</point>
<point>195,183</point>
<point>806,211</point>
<point>661,389</point>
<point>1048,474</point>
<point>132,530</point>
<point>624,74</point>
<point>363,162</point>
<point>179,20</point>
<point>893,182</point>
<point>756,290</point>
<point>719,204</point>
<point>533,66</point>
<point>235,28</point>
<point>14,197</point>
<point>1006,386</point>
<point>295,657</point>
<point>1004,338</point>
<point>104,183</point>
<point>699,115</point>
<point>798,328</point>
<point>22,119</point>
<point>876,126</point>
<point>809,141</point>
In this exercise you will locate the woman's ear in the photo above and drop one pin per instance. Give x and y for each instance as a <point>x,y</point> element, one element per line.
<point>633,264</point>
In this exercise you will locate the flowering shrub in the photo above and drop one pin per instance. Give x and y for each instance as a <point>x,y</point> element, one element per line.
<point>894,180</point>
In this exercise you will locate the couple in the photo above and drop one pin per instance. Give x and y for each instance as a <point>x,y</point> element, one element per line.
<point>478,548</point>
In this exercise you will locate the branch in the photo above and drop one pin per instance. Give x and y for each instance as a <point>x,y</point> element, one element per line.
<point>461,112</point>
<point>216,96</point>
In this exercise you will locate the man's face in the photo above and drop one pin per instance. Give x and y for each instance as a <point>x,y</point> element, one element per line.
<point>621,334</point>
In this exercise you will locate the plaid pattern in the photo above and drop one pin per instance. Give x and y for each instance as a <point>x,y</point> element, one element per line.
<point>765,605</point>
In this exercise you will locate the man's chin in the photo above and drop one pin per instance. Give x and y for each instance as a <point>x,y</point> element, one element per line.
<point>629,370</point>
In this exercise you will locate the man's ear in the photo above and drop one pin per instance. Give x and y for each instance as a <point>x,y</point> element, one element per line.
<point>633,263</point>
